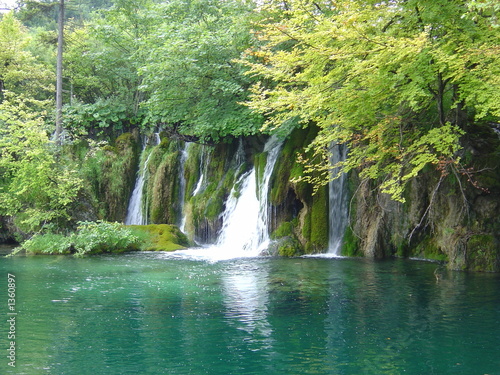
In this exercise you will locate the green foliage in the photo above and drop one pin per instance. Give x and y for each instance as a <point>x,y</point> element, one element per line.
<point>34,181</point>
<point>194,87</point>
<point>102,62</point>
<point>392,80</point>
<point>160,237</point>
<point>103,237</point>
<point>98,118</point>
<point>48,243</point>
<point>89,238</point>
<point>20,72</point>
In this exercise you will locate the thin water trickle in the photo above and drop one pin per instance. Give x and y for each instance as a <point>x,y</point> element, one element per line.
<point>135,215</point>
<point>182,189</point>
<point>338,212</point>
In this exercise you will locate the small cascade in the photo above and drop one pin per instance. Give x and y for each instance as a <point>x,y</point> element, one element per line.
<point>204,161</point>
<point>135,214</point>
<point>182,180</point>
<point>337,202</point>
<point>245,228</point>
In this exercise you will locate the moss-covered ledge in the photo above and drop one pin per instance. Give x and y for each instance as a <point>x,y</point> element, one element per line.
<point>161,237</point>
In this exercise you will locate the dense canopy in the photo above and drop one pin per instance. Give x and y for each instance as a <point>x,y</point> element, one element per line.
<point>398,82</point>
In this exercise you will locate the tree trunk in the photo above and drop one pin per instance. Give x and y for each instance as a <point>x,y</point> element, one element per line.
<point>439,99</point>
<point>59,69</point>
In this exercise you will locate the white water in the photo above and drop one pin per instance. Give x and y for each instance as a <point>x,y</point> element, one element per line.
<point>337,204</point>
<point>182,179</point>
<point>135,214</point>
<point>204,161</point>
<point>245,219</point>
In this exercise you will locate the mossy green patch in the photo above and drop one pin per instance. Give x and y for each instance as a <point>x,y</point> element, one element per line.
<point>319,220</point>
<point>350,243</point>
<point>287,166</point>
<point>482,253</point>
<point>428,249</point>
<point>161,237</point>
<point>284,230</point>
<point>110,173</point>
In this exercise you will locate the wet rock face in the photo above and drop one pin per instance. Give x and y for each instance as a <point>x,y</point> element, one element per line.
<point>438,221</point>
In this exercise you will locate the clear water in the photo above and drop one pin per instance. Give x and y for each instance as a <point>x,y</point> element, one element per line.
<point>159,313</point>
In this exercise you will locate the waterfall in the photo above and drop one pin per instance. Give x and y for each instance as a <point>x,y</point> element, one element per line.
<point>204,162</point>
<point>134,212</point>
<point>245,228</point>
<point>135,207</point>
<point>182,179</point>
<point>337,202</point>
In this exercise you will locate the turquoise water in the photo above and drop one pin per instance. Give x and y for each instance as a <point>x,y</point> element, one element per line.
<point>153,313</point>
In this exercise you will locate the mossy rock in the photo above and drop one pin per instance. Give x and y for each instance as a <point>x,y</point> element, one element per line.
<point>428,249</point>
<point>162,237</point>
<point>482,253</point>
<point>287,166</point>
<point>286,247</point>
<point>350,244</point>
<point>284,230</point>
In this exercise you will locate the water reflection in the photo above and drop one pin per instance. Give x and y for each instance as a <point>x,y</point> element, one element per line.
<point>150,314</point>
<point>246,301</point>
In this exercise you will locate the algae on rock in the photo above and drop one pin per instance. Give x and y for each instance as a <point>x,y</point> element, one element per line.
<point>161,237</point>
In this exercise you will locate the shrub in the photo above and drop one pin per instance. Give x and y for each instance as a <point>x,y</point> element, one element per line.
<point>103,237</point>
<point>89,238</point>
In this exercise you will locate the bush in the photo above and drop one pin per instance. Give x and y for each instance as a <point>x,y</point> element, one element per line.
<point>89,238</point>
<point>48,243</point>
<point>103,237</point>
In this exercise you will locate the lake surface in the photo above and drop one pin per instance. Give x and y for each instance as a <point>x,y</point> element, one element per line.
<point>159,313</point>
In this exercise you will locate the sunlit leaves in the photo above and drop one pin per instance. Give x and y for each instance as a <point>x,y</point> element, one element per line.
<point>20,72</point>
<point>386,78</point>
<point>33,185</point>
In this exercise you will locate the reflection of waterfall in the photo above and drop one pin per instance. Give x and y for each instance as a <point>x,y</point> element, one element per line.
<point>245,218</point>
<point>135,207</point>
<point>338,203</point>
<point>246,299</point>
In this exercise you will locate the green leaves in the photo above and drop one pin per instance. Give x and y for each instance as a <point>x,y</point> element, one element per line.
<point>34,185</point>
<point>192,81</point>
<point>392,80</point>
<point>20,72</point>
<point>89,238</point>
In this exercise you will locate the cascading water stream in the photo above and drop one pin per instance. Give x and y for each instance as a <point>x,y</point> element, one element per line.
<point>245,228</point>
<point>204,162</point>
<point>182,179</point>
<point>338,203</point>
<point>135,214</point>
<point>244,231</point>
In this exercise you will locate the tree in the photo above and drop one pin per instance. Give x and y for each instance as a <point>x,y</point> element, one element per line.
<point>20,72</point>
<point>59,73</point>
<point>193,83</point>
<point>34,186</point>
<point>394,81</point>
<point>102,63</point>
